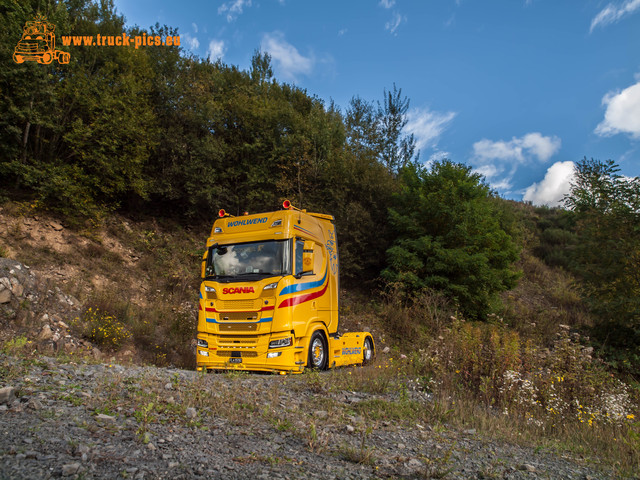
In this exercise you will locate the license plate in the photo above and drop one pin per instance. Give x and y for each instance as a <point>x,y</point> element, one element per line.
<point>235,360</point>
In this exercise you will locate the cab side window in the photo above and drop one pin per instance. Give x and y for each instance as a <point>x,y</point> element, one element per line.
<point>299,250</point>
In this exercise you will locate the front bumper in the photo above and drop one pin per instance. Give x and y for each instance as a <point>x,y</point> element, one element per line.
<point>250,353</point>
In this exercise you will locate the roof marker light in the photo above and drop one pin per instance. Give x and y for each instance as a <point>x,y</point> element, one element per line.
<point>287,205</point>
<point>222,213</point>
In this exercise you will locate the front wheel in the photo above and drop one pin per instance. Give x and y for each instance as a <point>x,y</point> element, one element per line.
<point>367,351</point>
<point>318,351</point>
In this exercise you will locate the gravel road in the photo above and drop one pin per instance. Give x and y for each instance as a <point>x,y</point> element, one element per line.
<point>83,420</point>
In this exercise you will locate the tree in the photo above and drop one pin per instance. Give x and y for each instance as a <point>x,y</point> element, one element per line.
<point>380,131</point>
<point>397,149</point>
<point>607,255</point>
<point>452,236</point>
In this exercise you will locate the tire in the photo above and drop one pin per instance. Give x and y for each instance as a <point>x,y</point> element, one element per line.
<point>46,58</point>
<point>318,357</point>
<point>18,58</point>
<point>367,351</point>
<point>64,57</point>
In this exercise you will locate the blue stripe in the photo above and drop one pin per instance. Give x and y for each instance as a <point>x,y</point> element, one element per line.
<point>262,320</point>
<point>303,229</point>
<point>299,287</point>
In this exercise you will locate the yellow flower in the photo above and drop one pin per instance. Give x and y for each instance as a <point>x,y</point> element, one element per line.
<point>631,416</point>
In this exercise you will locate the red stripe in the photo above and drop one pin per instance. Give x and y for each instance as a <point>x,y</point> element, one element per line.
<point>289,302</point>
<point>199,306</point>
<point>210,309</point>
<point>265,309</point>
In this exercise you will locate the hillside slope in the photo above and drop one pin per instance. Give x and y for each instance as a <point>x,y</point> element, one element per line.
<point>100,410</point>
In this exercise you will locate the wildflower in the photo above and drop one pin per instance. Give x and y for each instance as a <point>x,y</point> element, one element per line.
<point>631,416</point>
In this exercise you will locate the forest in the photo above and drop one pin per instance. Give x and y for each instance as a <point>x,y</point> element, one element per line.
<point>157,131</point>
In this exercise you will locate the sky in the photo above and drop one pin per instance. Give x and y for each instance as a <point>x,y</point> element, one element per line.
<point>519,90</point>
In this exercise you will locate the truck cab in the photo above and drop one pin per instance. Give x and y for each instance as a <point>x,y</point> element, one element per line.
<point>269,296</point>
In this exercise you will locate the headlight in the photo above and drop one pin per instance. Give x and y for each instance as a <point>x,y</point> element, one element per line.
<point>209,289</point>
<point>273,354</point>
<point>281,342</point>
<point>203,353</point>
<point>271,286</point>
<point>203,343</point>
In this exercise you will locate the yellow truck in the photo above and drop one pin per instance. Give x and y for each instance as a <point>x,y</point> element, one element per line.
<point>269,296</point>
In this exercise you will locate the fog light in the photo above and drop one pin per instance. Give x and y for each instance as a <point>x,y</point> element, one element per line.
<point>204,353</point>
<point>273,354</point>
<point>281,342</point>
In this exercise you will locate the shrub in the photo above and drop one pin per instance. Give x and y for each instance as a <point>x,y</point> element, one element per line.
<point>102,328</point>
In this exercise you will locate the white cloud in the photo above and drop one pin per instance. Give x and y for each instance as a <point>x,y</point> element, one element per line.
<point>192,43</point>
<point>439,155</point>
<point>518,149</point>
<point>555,185</point>
<point>216,50</point>
<point>289,62</point>
<point>498,161</point>
<point>195,27</point>
<point>623,112</point>
<point>427,126</point>
<point>614,13</point>
<point>233,8</point>
<point>488,171</point>
<point>387,3</point>
<point>393,24</point>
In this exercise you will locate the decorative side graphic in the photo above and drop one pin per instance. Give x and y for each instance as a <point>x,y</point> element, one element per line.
<point>38,44</point>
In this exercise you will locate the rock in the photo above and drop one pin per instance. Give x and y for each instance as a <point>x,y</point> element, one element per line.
<point>414,464</point>
<point>34,404</point>
<point>17,289</point>
<point>46,333</point>
<point>191,413</point>
<point>56,226</point>
<point>386,350</point>
<point>105,418</point>
<point>527,467</point>
<point>320,414</point>
<point>5,294</point>
<point>350,429</point>
<point>168,386</point>
<point>7,395</point>
<point>70,469</point>
<point>471,431</point>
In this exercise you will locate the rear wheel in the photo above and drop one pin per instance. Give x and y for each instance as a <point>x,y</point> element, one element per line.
<point>318,351</point>
<point>46,58</point>
<point>367,351</point>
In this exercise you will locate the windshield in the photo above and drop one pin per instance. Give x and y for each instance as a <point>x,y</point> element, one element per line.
<point>270,257</point>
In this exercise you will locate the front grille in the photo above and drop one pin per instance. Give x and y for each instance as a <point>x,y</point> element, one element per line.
<point>238,327</point>
<point>235,316</point>
<point>245,354</point>
<point>239,304</point>
<point>233,340</point>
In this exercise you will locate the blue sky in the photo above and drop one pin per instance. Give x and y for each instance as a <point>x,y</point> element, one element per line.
<point>518,89</point>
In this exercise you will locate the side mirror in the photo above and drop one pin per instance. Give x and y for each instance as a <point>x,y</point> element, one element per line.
<point>307,257</point>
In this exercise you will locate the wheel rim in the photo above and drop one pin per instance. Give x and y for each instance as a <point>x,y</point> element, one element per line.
<point>368,350</point>
<point>317,352</point>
